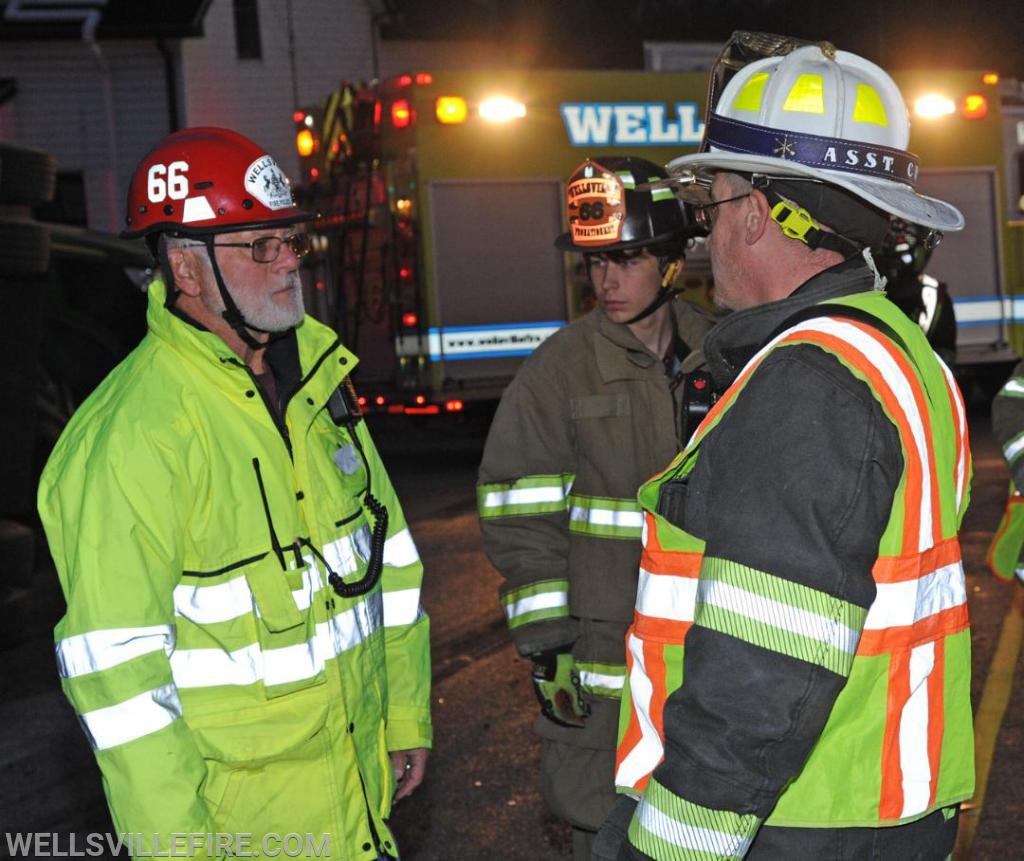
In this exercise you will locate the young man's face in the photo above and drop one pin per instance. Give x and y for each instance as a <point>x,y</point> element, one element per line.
<point>625,283</point>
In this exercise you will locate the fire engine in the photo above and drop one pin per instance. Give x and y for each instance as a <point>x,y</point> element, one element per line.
<point>440,195</point>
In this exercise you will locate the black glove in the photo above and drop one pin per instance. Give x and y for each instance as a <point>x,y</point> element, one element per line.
<point>614,833</point>
<point>557,685</point>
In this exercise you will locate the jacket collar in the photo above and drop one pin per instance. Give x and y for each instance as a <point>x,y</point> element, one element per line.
<point>620,354</point>
<point>305,347</point>
<point>734,341</point>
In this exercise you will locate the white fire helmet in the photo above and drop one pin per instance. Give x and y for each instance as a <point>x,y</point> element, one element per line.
<point>828,116</point>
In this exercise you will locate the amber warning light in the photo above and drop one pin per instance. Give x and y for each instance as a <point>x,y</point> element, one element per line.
<point>305,143</point>
<point>451,110</point>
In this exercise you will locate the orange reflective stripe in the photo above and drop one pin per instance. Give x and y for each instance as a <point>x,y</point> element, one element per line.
<point>914,467</point>
<point>890,804</point>
<point>898,569</point>
<point>632,735</point>
<point>673,563</point>
<point>663,630</point>
<point>942,624</point>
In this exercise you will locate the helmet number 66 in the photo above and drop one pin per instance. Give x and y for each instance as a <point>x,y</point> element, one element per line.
<point>165,181</point>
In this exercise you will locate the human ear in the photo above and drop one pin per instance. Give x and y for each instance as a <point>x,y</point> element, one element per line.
<point>185,270</point>
<point>757,217</point>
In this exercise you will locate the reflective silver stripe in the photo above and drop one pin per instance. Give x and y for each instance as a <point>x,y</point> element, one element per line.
<point>100,650</point>
<point>780,615</point>
<point>346,553</point>
<point>899,604</point>
<point>1014,447</point>
<point>134,718</point>
<point>666,596</point>
<point>716,844</point>
<point>607,517</point>
<point>1013,386</point>
<point>524,496</point>
<point>639,761</point>
<point>601,680</point>
<point>532,603</point>
<point>207,605</point>
<point>400,550</point>
<point>204,668</point>
<point>401,607</point>
<point>915,733</point>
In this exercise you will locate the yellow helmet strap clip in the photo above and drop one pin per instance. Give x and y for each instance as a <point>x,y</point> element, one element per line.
<point>797,223</point>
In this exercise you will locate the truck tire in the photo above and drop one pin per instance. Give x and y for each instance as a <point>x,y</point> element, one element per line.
<point>26,246</point>
<point>27,175</point>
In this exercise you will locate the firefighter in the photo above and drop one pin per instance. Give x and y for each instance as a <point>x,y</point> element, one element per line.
<point>804,544</point>
<point>243,641</point>
<point>1005,551</point>
<point>902,259</point>
<point>590,414</point>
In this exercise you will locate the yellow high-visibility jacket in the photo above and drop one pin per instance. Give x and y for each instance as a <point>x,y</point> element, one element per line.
<point>224,686</point>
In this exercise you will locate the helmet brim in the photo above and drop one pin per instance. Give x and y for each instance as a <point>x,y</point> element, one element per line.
<point>282,218</point>
<point>892,197</point>
<point>564,243</point>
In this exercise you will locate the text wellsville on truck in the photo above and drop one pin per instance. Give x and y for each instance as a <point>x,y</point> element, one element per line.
<point>439,197</point>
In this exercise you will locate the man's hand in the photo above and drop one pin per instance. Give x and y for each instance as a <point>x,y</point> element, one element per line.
<point>409,767</point>
<point>557,685</point>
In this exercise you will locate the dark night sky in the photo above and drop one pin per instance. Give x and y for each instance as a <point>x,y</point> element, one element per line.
<point>896,34</point>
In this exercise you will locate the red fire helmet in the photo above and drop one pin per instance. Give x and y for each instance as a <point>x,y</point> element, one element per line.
<point>208,180</point>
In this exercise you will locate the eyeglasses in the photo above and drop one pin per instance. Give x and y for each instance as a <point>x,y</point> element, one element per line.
<point>267,249</point>
<point>702,213</point>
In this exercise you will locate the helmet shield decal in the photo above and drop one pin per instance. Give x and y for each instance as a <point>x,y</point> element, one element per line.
<point>595,206</point>
<point>265,181</point>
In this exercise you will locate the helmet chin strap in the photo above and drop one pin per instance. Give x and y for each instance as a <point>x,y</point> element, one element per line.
<point>231,313</point>
<point>665,292</point>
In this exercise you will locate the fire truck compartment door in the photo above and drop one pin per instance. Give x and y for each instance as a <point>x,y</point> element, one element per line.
<point>500,284</point>
<point>968,261</point>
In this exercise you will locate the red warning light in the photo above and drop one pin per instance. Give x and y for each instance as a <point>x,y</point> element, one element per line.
<point>379,400</point>
<point>401,114</point>
<point>453,406</point>
<point>320,285</point>
<point>361,400</point>
<point>410,319</point>
<point>314,172</point>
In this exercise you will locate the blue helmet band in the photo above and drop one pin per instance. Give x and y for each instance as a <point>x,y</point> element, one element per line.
<point>832,154</point>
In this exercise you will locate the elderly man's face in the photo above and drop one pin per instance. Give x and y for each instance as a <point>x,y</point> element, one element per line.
<point>726,243</point>
<point>269,295</point>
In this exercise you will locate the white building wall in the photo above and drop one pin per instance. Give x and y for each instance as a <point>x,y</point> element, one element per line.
<point>95,110</point>
<point>331,42</point>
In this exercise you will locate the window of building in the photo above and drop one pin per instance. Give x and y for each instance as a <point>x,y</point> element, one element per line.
<point>247,30</point>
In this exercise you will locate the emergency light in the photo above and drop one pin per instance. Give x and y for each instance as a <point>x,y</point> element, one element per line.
<point>974,107</point>
<point>501,109</point>
<point>933,106</point>
<point>401,114</point>
<point>451,110</point>
<point>305,142</point>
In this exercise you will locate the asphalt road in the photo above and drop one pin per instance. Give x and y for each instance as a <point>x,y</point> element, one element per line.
<point>480,799</point>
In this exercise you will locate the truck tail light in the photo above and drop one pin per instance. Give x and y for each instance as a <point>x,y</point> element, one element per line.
<point>401,114</point>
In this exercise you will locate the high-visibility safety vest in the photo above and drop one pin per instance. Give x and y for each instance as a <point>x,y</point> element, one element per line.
<point>1004,552</point>
<point>905,708</point>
